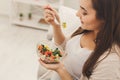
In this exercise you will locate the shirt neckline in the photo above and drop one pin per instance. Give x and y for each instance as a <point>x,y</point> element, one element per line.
<point>80,44</point>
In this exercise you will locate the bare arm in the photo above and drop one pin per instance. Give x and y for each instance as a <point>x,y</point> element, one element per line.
<point>59,68</point>
<point>64,74</point>
<point>58,34</point>
<point>50,16</point>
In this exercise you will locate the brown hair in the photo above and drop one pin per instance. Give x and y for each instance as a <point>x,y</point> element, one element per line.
<point>109,11</point>
<point>79,31</point>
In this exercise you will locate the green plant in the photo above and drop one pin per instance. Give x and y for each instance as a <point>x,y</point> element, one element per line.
<point>21,16</point>
<point>30,15</point>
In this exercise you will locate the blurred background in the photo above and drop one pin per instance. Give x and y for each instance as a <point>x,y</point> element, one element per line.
<point>21,28</point>
<point>5,5</point>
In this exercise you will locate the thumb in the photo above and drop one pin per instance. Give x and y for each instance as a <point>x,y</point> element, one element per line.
<point>48,7</point>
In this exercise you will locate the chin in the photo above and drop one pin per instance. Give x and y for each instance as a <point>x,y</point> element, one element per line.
<point>83,27</point>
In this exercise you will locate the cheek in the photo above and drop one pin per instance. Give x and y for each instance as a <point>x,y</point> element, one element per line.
<point>90,23</point>
<point>89,19</point>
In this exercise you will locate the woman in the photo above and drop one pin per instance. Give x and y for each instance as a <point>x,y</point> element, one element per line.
<point>100,32</point>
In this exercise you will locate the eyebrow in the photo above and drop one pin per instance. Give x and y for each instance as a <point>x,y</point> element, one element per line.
<point>83,8</point>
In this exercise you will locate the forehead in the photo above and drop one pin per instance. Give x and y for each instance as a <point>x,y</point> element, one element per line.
<point>86,4</point>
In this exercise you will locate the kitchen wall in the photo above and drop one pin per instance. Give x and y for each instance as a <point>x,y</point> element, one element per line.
<point>72,3</point>
<point>5,5</point>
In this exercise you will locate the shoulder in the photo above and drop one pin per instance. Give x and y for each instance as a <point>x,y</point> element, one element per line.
<point>110,61</point>
<point>114,55</point>
<point>108,68</point>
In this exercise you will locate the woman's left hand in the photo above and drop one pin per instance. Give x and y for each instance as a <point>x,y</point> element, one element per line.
<point>54,67</point>
<point>59,68</point>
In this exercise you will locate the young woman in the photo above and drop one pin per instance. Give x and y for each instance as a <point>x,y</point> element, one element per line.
<point>99,33</point>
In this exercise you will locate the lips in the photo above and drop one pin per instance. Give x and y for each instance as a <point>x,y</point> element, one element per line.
<point>82,22</point>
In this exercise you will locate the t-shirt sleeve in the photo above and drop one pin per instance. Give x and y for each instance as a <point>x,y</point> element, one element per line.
<point>63,44</point>
<point>108,69</point>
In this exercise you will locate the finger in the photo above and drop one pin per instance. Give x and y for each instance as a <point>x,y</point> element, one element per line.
<point>48,7</point>
<point>53,12</point>
<point>42,61</point>
<point>45,7</point>
<point>44,64</point>
<point>49,19</point>
<point>48,15</point>
<point>49,12</point>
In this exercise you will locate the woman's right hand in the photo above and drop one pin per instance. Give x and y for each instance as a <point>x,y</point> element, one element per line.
<point>51,16</point>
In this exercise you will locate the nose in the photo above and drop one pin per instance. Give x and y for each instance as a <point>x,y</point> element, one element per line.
<point>78,14</point>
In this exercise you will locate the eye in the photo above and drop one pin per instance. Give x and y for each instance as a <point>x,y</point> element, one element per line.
<point>84,13</point>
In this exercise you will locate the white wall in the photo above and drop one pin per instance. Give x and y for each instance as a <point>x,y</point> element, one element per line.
<point>4,7</point>
<point>72,3</point>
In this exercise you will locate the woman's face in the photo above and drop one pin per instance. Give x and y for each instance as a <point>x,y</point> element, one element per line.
<point>87,15</point>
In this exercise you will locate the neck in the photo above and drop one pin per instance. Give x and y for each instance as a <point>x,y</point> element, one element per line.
<point>94,35</point>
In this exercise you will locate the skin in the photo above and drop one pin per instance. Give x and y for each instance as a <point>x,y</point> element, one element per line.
<point>87,15</point>
<point>88,19</point>
<point>50,16</point>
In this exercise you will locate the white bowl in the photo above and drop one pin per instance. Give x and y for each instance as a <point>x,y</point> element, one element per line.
<point>49,59</point>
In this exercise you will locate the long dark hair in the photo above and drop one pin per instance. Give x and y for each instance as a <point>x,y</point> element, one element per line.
<point>109,11</point>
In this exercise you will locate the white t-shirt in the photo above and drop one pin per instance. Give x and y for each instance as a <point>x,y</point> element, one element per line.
<point>75,59</point>
<point>108,68</point>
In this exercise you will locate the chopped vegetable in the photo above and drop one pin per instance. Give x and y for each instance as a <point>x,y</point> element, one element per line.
<point>48,54</point>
